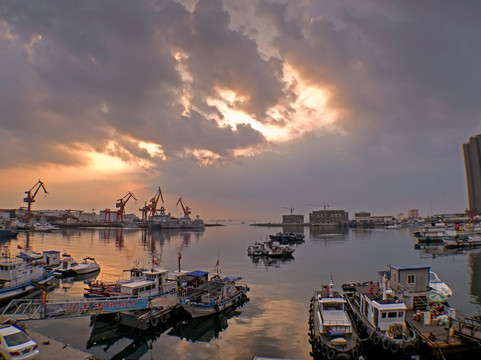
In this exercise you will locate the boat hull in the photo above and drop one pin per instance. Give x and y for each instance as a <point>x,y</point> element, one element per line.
<point>197,310</point>
<point>377,340</point>
<point>330,347</point>
<point>21,290</point>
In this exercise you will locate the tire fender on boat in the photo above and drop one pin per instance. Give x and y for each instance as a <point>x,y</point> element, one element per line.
<point>163,318</point>
<point>216,307</point>
<point>154,321</point>
<point>324,349</point>
<point>342,356</point>
<point>385,343</point>
<point>376,338</point>
<point>355,352</point>
<point>331,354</point>
<point>394,347</point>
<point>409,349</point>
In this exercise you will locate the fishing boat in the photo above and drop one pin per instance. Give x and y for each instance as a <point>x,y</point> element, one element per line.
<point>274,249</point>
<point>45,227</point>
<point>471,241</point>
<point>258,249</point>
<point>69,267</point>
<point>142,283</point>
<point>379,314</point>
<point>20,274</point>
<point>7,232</point>
<point>332,335</point>
<point>213,296</point>
<point>439,286</point>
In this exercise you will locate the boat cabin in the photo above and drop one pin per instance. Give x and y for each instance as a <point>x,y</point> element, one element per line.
<point>407,282</point>
<point>381,312</point>
<point>332,317</point>
<point>51,258</point>
<point>194,278</point>
<point>146,282</point>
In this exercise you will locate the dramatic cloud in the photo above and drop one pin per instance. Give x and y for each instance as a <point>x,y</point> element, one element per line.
<point>258,103</point>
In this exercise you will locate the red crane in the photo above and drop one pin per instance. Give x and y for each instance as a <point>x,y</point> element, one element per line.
<point>29,199</point>
<point>120,205</point>
<point>185,208</point>
<point>151,209</point>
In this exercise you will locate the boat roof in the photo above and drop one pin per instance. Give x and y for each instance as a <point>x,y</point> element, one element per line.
<point>198,273</point>
<point>413,267</point>
<point>155,271</point>
<point>137,284</point>
<point>232,278</point>
<point>51,252</point>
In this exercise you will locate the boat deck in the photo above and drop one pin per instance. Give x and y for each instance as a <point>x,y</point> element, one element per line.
<point>440,341</point>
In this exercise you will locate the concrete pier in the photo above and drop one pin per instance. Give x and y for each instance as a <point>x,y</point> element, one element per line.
<point>51,349</point>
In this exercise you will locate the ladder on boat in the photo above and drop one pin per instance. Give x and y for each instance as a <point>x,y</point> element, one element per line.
<point>35,309</point>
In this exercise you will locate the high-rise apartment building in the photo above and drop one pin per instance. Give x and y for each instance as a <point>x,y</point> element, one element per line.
<point>472,163</point>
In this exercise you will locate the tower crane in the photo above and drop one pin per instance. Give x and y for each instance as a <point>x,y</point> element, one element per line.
<point>185,208</point>
<point>29,199</point>
<point>289,208</point>
<point>120,205</point>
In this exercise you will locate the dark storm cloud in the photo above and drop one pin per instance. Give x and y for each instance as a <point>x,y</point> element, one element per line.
<point>73,71</point>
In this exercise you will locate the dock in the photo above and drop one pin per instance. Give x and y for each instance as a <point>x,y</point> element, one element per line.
<point>461,335</point>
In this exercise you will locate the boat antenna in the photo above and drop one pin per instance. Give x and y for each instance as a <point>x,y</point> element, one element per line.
<point>331,285</point>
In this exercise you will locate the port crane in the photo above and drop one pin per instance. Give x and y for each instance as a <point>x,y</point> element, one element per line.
<point>120,205</point>
<point>151,209</point>
<point>185,208</point>
<point>29,199</point>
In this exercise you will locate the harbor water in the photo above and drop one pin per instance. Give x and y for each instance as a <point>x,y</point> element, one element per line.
<point>273,323</point>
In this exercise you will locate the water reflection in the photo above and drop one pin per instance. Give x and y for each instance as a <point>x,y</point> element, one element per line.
<point>208,327</point>
<point>66,283</point>
<point>266,261</point>
<point>328,232</point>
<point>121,342</point>
<point>437,250</point>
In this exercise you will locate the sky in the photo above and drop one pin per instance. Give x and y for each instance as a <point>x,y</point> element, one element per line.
<point>245,109</point>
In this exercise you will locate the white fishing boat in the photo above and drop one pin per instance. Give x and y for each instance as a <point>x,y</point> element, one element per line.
<point>142,283</point>
<point>45,227</point>
<point>69,267</point>
<point>213,296</point>
<point>380,315</point>
<point>18,275</point>
<point>332,335</point>
<point>438,286</point>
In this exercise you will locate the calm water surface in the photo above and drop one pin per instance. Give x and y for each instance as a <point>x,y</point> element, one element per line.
<point>274,321</point>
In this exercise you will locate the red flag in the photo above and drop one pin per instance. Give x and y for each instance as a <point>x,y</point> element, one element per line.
<point>19,247</point>
<point>217,263</point>
<point>180,256</point>
<point>154,262</point>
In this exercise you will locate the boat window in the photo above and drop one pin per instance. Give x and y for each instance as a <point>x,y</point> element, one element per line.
<point>332,307</point>
<point>383,315</point>
<point>400,314</point>
<point>411,279</point>
<point>392,314</point>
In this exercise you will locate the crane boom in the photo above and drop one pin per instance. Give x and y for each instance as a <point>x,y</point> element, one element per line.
<point>185,208</point>
<point>29,199</point>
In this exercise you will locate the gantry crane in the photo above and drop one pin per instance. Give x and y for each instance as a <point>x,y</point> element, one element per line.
<point>29,199</point>
<point>150,209</point>
<point>120,205</point>
<point>185,208</point>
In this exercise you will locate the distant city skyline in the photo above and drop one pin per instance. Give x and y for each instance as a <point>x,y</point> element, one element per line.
<point>242,108</point>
